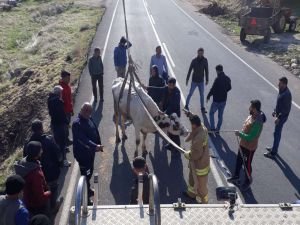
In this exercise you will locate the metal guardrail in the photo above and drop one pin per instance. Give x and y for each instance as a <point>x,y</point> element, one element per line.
<point>81,201</point>
<point>154,200</point>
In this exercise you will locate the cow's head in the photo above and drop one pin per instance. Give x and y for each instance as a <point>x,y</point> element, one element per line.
<point>162,121</point>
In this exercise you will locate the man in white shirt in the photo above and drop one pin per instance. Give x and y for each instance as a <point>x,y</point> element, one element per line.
<point>160,61</point>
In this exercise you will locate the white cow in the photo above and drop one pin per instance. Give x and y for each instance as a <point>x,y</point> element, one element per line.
<point>139,117</point>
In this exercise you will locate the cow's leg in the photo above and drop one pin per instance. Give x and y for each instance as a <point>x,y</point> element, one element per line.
<point>123,120</point>
<point>137,141</point>
<point>116,120</point>
<point>144,143</point>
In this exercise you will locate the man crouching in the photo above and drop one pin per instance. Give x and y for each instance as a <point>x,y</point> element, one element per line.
<point>199,163</point>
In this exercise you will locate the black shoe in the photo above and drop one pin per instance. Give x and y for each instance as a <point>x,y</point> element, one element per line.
<point>91,192</point>
<point>186,107</point>
<point>90,202</point>
<point>185,194</point>
<point>269,149</point>
<point>203,110</point>
<point>234,180</point>
<point>269,155</point>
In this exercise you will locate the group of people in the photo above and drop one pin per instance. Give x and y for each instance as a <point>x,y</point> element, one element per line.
<point>33,191</point>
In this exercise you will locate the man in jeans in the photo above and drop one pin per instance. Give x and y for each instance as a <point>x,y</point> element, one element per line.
<point>281,114</point>
<point>219,90</point>
<point>96,71</point>
<point>199,66</point>
<point>160,61</point>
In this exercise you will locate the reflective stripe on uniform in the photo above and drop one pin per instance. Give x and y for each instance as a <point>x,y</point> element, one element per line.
<point>191,189</point>
<point>202,172</point>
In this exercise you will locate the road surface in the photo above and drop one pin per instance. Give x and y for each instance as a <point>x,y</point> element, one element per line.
<point>181,31</point>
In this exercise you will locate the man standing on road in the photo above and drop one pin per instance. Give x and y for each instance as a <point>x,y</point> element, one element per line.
<point>50,160</point>
<point>199,66</point>
<point>120,56</point>
<point>59,121</point>
<point>281,114</point>
<point>160,61</point>
<point>199,162</point>
<point>171,104</point>
<point>219,90</point>
<point>87,142</point>
<point>12,209</point>
<point>67,99</point>
<point>36,193</point>
<point>96,71</point>
<point>249,136</point>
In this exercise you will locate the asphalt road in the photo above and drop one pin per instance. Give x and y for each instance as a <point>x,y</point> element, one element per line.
<point>183,31</point>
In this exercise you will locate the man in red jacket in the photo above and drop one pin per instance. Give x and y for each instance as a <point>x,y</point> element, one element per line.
<point>67,99</point>
<point>36,194</point>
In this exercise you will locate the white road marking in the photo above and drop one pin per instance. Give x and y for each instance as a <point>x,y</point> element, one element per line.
<point>73,178</point>
<point>214,170</point>
<point>229,50</point>
<point>152,19</point>
<point>168,54</point>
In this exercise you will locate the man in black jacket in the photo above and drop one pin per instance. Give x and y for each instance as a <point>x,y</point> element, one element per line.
<point>199,66</point>
<point>59,120</point>
<point>219,90</point>
<point>50,159</point>
<point>86,142</point>
<point>281,114</point>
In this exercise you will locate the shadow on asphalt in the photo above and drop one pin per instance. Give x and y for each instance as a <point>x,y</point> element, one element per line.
<point>122,177</point>
<point>97,112</point>
<point>228,156</point>
<point>170,175</point>
<point>288,172</point>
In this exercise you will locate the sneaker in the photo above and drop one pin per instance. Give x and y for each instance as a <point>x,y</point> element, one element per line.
<point>67,163</point>
<point>203,110</point>
<point>186,194</point>
<point>269,149</point>
<point>269,155</point>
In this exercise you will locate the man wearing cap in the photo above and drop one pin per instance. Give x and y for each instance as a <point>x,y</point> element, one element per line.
<point>59,120</point>
<point>171,104</point>
<point>12,209</point>
<point>67,99</point>
<point>249,136</point>
<point>87,142</point>
<point>36,194</point>
<point>199,163</point>
<point>96,71</point>
<point>140,168</point>
<point>120,57</point>
<point>50,159</point>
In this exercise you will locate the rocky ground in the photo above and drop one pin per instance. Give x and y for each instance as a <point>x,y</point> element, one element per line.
<point>38,40</point>
<point>283,48</point>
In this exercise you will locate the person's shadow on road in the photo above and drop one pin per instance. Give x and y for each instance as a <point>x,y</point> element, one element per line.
<point>288,172</point>
<point>121,179</point>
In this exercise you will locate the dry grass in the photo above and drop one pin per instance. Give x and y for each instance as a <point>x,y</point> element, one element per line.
<point>43,37</point>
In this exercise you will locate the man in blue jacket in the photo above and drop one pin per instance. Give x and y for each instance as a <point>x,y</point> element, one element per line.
<point>120,57</point>
<point>86,142</point>
<point>12,209</point>
<point>281,114</point>
<point>171,104</point>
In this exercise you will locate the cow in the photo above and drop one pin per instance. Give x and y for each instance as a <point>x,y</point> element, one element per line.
<point>141,122</point>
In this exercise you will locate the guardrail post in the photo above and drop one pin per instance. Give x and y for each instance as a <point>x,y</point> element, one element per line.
<point>81,201</point>
<point>154,200</point>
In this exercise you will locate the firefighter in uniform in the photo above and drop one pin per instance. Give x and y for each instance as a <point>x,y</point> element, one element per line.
<point>199,163</point>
